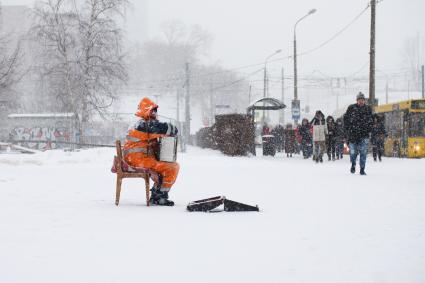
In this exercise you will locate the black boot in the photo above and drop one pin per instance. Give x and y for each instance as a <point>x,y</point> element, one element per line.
<point>159,198</point>
<point>353,169</point>
<point>362,172</point>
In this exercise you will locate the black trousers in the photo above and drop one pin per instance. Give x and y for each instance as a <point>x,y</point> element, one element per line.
<point>377,149</point>
<point>330,148</point>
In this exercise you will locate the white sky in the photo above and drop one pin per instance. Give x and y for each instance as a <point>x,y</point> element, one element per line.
<point>247,31</point>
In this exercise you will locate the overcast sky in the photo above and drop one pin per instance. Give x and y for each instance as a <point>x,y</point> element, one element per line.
<point>247,31</point>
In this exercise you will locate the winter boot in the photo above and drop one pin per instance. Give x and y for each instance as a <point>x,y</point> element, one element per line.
<point>362,172</point>
<point>353,169</point>
<point>320,159</point>
<point>159,198</point>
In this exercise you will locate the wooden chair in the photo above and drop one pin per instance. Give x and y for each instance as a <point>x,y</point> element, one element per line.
<point>133,173</point>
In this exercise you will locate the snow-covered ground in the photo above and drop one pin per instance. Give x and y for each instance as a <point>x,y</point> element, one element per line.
<point>318,223</point>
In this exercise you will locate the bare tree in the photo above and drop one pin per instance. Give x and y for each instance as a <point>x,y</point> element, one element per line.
<point>83,58</point>
<point>10,64</point>
<point>102,57</point>
<point>413,53</point>
<point>56,32</point>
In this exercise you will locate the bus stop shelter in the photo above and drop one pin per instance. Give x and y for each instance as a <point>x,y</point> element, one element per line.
<point>264,104</point>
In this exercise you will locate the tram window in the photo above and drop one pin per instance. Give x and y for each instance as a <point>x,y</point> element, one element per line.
<point>417,125</point>
<point>418,104</point>
<point>394,125</point>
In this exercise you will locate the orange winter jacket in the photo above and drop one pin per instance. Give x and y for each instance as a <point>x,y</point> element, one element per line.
<point>143,136</point>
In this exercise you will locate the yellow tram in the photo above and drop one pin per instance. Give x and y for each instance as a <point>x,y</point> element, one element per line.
<point>405,125</point>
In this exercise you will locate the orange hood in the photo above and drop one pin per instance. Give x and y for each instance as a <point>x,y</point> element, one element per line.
<point>145,108</point>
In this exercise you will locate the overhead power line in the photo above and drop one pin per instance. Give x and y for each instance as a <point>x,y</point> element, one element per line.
<point>333,37</point>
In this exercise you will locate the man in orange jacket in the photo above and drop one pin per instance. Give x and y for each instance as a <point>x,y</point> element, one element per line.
<point>141,146</point>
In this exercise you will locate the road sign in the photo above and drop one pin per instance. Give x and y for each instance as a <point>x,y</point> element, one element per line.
<point>296,112</point>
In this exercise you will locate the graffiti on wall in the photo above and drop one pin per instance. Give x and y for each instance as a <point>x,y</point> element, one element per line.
<point>46,134</point>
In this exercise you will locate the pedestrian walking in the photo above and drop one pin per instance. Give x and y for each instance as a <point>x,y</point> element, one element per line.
<point>306,138</point>
<point>278,133</point>
<point>339,139</point>
<point>320,131</point>
<point>289,140</point>
<point>377,138</point>
<point>358,123</point>
<point>330,138</point>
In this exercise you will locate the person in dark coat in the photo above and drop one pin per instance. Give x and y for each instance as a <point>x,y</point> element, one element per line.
<point>339,139</point>
<point>306,138</point>
<point>289,140</point>
<point>330,138</point>
<point>358,123</point>
<point>378,135</point>
<point>278,133</point>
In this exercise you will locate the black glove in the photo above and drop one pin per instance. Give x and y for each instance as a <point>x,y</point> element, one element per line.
<point>172,130</point>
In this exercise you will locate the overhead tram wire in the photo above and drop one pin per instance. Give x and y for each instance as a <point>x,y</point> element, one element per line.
<point>336,34</point>
<point>239,80</point>
<point>271,61</point>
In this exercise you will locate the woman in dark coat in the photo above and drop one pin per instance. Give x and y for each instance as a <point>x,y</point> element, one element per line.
<point>330,137</point>
<point>289,140</point>
<point>339,138</point>
<point>306,138</point>
<point>278,133</point>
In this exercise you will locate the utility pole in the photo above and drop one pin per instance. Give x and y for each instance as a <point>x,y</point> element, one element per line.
<point>264,92</point>
<point>423,81</point>
<point>295,69</point>
<point>187,106</point>
<point>178,106</point>
<point>372,100</point>
<point>212,106</point>
<point>282,113</point>
<point>386,93</point>
<point>249,94</point>
<point>408,89</point>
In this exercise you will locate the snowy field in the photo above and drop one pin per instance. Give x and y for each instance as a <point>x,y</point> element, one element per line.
<point>318,223</point>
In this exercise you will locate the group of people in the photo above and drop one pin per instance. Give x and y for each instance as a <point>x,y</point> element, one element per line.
<point>313,138</point>
<point>326,135</point>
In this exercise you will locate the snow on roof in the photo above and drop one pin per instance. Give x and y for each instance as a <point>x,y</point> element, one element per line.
<point>42,115</point>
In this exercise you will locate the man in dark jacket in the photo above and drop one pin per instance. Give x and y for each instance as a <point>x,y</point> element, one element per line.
<point>358,121</point>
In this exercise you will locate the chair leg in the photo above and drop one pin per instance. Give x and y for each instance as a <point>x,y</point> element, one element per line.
<point>147,189</point>
<point>118,190</point>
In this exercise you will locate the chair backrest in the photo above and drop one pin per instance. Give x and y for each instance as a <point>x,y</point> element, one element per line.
<point>119,156</point>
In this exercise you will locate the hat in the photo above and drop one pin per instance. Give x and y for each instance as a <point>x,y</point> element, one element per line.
<point>360,96</point>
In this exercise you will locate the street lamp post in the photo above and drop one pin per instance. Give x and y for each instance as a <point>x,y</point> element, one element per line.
<point>295,56</point>
<point>265,76</point>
